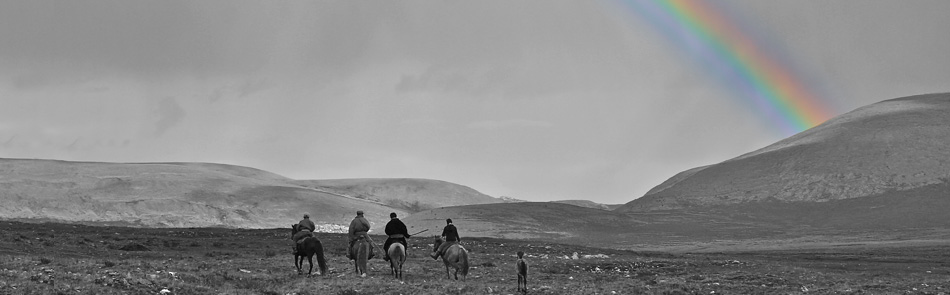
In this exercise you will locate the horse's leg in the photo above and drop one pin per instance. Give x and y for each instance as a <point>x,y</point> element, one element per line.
<point>298,263</point>
<point>310,260</point>
<point>401,261</point>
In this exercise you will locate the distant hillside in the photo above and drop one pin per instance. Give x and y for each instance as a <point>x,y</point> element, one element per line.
<point>590,204</point>
<point>886,159</point>
<point>409,194</point>
<point>167,195</point>
<point>592,227</point>
<point>522,220</point>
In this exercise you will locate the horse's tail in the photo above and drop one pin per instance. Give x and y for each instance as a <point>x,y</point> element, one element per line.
<point>397,252</point>
<point>463,262</point>
<point>362,255</point>
<point>321,259</point>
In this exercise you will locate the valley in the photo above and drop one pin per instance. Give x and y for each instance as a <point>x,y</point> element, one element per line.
<point>52,258</point>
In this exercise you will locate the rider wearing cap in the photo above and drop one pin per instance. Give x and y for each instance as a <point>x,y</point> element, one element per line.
<point>397,232</point>
<point>305,229</point>
<point>359,227</point>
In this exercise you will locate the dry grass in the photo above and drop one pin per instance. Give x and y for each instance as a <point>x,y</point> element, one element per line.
<point>258,262</point>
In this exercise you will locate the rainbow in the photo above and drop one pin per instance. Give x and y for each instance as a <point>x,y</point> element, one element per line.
<point>737,61</point>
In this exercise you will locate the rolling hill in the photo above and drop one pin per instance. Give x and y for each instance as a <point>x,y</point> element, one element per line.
<point>879,173</point>
<point>203,195</point>
<point>589,204</point>
<point>166,195</point>
<point>885,164</point>
<point>548,220</point>
<point>409,194</point>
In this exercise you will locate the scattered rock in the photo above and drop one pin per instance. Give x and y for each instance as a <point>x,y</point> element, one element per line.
<point>134,247</point>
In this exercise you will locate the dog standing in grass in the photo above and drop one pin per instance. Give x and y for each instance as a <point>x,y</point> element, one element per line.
<point>522,273</point>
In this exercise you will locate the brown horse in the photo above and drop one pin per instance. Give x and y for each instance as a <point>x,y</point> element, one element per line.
<point>307,248</point>
<point>522,273</point>
<point>397,256</point>
<point>360,254</point>
<point>455,256</point>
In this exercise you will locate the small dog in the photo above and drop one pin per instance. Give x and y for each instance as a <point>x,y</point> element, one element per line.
<point>522,273</point>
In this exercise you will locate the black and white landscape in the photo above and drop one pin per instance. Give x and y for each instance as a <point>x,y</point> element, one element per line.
<point>625,146</point>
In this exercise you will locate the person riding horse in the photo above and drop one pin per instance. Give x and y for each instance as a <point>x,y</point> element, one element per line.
<point>359,228</point>
<point>397,232</point>
<point>451,236</point>
<point>306,228</point>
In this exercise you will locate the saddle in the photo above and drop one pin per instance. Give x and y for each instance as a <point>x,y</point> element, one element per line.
<point>303,235</point>
<point>361,237</point>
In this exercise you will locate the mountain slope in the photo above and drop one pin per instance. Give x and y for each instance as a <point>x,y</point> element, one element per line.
<point>589,204</point>
<point>883,150</point>
<point>167,195</point>
<point>409,194</point>
<point>546,220</point>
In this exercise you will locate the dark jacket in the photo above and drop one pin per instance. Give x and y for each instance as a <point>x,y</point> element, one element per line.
<point>451,233</point>
<point>396,227</point>
<point>306,223</point>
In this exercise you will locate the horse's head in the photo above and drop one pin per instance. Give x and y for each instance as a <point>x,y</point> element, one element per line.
<point>293,229</point>
<point>435,244</point>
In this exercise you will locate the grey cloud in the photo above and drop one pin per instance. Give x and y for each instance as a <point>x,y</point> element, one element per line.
<point>513,123</point>
<point>97,89</point>
<point>472,81</point>
<point>167,114</point>
<point>248,87</point>
<point>29,81</point>
<point>252,86</point>
<point>74,145</point>
<point>217,93</point>
<point>9,142</point>
<point>141,37</point>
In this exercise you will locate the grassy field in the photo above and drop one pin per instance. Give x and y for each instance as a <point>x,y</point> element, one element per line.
<point>72,259</point>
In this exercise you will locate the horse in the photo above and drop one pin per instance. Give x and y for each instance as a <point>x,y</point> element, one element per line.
<point>455,256</point>
<point>397,256</point>
<point>307,248</point>
<point>522,273</point>
<point>360,254</point>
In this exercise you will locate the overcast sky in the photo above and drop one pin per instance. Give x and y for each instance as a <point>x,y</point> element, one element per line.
<point>538,100</point>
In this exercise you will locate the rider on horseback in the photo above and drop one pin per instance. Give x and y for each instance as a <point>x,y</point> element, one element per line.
<point>359,228</point>
<point>306,229</point>
<point>397,233</point>
<point>451,236</point>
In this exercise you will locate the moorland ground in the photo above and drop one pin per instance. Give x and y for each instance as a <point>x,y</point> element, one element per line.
<point>55,258</point>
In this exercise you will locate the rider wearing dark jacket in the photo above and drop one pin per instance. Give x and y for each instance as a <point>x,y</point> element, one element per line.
<point>397,232</point>
<point>451,236</point>
<point>305,228</point>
